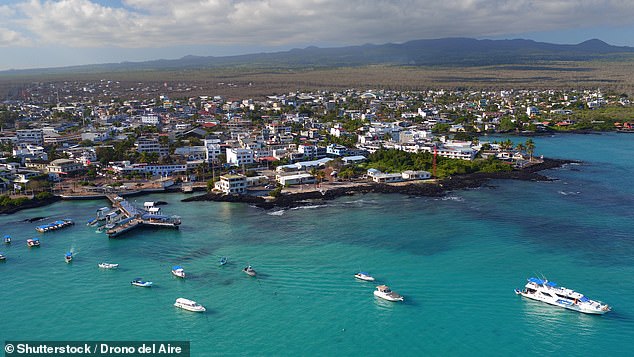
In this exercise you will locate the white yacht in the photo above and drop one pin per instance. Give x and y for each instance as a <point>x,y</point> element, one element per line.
<point>384,292</point>
<point>548,292</point>
<point>108,265</point>
<point>189,305</point>
<point>249,270</point>
<point>364,276</point>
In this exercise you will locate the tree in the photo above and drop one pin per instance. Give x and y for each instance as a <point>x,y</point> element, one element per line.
<point>530,148</point>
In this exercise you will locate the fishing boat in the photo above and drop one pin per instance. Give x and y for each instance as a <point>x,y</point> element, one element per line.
<point>364,276</point>
<point>178,271</point>
<point>7,239</point>
<point>108,265</point>
<point>68,257</point>
<point>34,242</point>
<point>223,260</point>
<point>249,271</point>
<point>550,293</point>
<point>2,257</point>
<point>384,292</point>
<point>141,283</point>
<point>189,305</point>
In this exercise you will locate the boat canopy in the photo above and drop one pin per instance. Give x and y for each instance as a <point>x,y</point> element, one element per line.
<point>68,254</point>
<point>584,299</point>
<point>551,283</point>
<point>177,267</point>
<point>7,236</point>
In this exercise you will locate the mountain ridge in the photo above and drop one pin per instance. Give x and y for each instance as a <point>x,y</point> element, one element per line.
<point>454,51</point>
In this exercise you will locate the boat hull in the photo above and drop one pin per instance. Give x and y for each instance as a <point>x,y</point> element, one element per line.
<point>562,303</point>
<point>387,297</point>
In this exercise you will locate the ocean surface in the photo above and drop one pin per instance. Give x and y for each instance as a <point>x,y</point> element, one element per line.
<point>456,260</point>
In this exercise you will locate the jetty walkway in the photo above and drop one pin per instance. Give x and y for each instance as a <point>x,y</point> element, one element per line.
<point>135,217</point>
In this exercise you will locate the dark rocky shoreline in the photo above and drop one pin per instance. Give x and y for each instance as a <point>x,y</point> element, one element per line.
<point>29,204</point>
<point>474,180</point>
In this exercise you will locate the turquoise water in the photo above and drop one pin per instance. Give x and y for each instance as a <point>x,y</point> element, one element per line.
<point>456,260</point>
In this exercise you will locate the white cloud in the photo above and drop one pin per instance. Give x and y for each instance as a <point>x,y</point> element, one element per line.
<point>152,23</point>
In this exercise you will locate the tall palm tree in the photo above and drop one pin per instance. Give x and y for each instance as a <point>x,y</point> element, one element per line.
<point>530,148</point>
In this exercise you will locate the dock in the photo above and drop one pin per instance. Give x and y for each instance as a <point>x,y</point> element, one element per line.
<point>137,217</point>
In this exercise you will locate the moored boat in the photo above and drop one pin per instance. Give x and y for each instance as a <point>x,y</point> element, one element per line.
<point>550,293</point>
<point>178,271</point>
<point>223,260</point>
<point>108,265</point>
<point>364,276</point>
<point>2,257</point>
<point>68,257</point>
<point>140,282</point>
<point>189,305</point>
<point>7,239</point>
<point>249,270</point>
<point>33,242</point>
<point>54,225</point>
<point>384,292</point>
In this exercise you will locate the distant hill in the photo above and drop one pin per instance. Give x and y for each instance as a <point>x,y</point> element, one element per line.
<point>463,52</point>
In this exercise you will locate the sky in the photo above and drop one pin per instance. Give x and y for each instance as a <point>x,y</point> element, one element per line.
<point>57,33</point>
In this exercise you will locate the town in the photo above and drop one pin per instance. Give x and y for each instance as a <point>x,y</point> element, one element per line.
<point>92,138</point>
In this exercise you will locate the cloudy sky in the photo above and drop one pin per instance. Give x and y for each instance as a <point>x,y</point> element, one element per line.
<point>53,33</point>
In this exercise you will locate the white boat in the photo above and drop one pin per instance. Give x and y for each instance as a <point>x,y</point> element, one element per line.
<point>249,271</point>
<point>141,283</point>
<point>7,239</point>
<point>223,260</point>
<point>2,257</point>
<point>178,271</point>
<point>548,292</point>
<point>189,305</point>
<point>108,265</point>
<point>35,242</point>
<point>384,292</point>
<point>364,276</point>
<point>68,257</point>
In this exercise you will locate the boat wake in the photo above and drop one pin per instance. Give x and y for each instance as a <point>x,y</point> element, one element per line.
<point>452,198</point>
<point>276,213</point>
<point>566,193</point>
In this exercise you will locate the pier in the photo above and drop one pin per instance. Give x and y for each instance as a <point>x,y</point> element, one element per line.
<point>136,217</point>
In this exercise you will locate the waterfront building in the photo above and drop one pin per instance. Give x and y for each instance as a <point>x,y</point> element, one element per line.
<point>295,179</point>
<point>232,184</point>
<point>61,166</point>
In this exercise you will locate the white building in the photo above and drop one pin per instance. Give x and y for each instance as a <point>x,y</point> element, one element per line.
<point>212,150</point>
<point>297,179</point>
<point>232,184</point>
<point>30,136</point>
<point>150,119</point>
<point>238,157</point>
<point>151,145</point>
<point>24,151</point>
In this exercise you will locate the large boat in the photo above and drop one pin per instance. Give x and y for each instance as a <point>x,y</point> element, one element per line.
<point>7,239</point>
<point>548,292</point>
<point>34,242</point>
<point>189,305</point>
<point>68,257</point>
<point>364,276</point>
<point>384,292</point>
<point>178,271</point>
<point>249,271</point>
<point>141,283</point>
<point>108,265</point>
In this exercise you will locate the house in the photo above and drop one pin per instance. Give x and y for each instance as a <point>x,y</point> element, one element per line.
<point>416,175</point>
<point>296,179</point>
<point>232,184</point>
<point>30,136</point>
<point>61,166</point>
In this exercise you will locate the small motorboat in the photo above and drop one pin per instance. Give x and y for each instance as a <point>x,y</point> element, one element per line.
<point>364,276</point>
<point>178,271</point>
<point>7,239</point>
<point>2,257</point>
<point>108,265</point>
<point>189,305</point>
<point>68,257</point>
<point>223,260</point>
<point>141,283</point>
<point>34,242</point>
<point>249,271</point>
<point>384,292</point>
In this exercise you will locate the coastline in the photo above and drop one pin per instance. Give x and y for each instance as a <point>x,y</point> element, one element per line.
<point>415,188</point>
